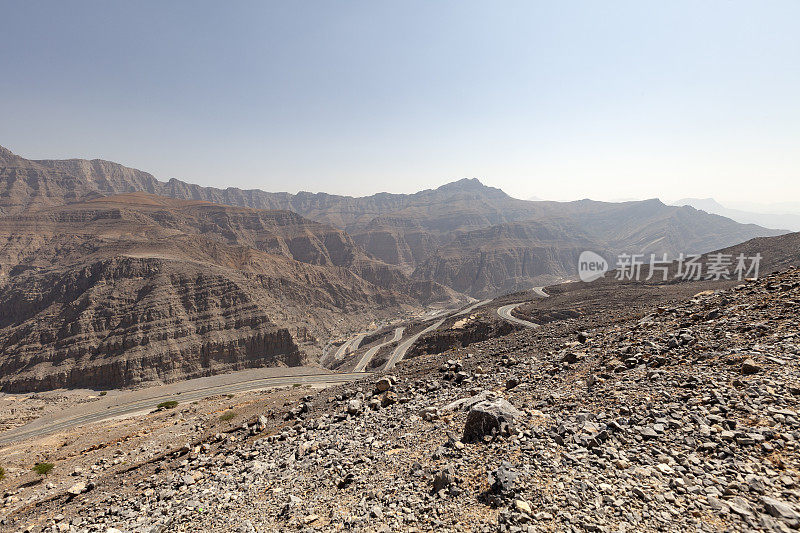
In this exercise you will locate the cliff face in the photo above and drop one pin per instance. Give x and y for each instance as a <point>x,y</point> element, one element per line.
<point>120,290</point>
<point>126,320</point>
<point>506,258</point>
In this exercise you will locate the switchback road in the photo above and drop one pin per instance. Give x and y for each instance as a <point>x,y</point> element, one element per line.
<point>367,357</point>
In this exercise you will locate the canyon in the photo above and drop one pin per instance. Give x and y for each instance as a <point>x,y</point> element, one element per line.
<point>110,277</point>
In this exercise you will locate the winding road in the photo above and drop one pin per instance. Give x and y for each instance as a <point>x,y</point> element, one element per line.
<point>367,357</point>
<point>401,350</point>
<point>505,311</point>
<point>349,345</point>
<point>132,402</point>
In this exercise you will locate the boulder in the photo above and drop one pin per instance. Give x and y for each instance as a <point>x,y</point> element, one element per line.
<point>489,417</point>
<point>383,384</point>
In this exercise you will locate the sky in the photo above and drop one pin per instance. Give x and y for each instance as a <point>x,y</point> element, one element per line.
<point>558,100</point>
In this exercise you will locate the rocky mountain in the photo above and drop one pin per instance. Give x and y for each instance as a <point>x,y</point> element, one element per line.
<point>543,250</point>
<point>777,253</point>
<point>26,184</point>
<point>664,416</point>
<point>130,288</point>
<point>475,238</point>
<point>506,257</point>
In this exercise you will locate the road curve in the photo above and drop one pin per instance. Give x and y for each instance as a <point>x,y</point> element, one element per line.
<point>505,311</point>
<point>471,307</point>
<point>367,357</point>
<point>357,341</point>
<point>349,345</point>
<point>401,350</point>
<point>540,292</point>
<point>38,429</point>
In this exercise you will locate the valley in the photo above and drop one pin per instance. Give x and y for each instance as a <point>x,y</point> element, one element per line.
<point>171,348</point>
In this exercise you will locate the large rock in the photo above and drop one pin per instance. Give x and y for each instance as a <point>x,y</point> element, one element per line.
<point>466,404</point>
<point>779,509</point>
<point>384,384</point>
<point>490,417</point>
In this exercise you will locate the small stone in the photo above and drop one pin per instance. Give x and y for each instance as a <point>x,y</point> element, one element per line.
<point>750,367</point>
<point>648,433</point>
<point>523,507</point>
<point>354,407</point>
<point>503,479</point>
<point>443,479</point>
<point>78,488</point>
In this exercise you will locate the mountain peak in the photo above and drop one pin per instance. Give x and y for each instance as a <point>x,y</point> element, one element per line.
<point>6,154</point>
<point>464,184</point>
<point>468,185</point>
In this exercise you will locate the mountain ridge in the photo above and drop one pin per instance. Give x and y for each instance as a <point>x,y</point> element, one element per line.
<point>409,231</point>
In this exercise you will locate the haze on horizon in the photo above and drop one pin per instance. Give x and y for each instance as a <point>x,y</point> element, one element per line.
<point>601,100</point>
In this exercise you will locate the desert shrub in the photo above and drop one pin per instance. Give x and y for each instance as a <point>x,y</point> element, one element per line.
<point>43,468</point>
<point>228,415</point>
<point>169,404</point>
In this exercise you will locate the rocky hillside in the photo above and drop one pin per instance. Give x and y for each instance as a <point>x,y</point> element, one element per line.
<point>120,290</point>
<point>476,238</point>
<point>671,418</point>
<point>777,253</point>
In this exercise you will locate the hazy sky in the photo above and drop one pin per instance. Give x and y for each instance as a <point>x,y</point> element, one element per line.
<point>560,100</point>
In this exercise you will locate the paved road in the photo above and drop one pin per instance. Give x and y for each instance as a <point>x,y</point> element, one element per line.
<point>349,345</point>
<point>505,311</point>
<point>540,292</point>
<point>367,357</point>
<point>401,350</point>
<point>471,307</point>
<point>91,413</point>
<point>103,411</point>
<point>357,342</point>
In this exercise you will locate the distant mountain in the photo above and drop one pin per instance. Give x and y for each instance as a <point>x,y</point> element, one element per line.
<point>770,220</point>
<point>775,208</point>
<point>478,235</point>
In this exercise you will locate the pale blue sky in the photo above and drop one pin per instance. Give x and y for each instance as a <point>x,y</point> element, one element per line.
<point>556,99</point>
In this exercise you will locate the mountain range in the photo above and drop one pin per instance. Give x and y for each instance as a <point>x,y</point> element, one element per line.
<point>108,275</point>
<point>789,221</point>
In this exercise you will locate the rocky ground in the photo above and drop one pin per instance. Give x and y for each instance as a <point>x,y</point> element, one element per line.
<point>672,418</point>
